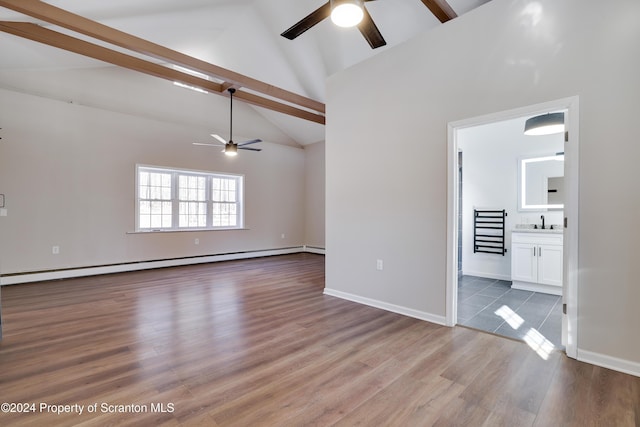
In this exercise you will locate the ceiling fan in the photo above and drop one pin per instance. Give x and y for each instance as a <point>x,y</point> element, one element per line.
<point>367,27</point>
<point>439,8</point>
<point>230,147</point>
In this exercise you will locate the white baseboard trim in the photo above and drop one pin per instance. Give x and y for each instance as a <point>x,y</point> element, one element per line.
<point>314,250</point>
<point>145,265</point>
<point>610,362</point>
<point>486,275</point>
<point>422,315</point>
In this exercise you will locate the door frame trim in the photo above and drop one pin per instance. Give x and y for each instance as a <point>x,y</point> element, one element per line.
<point>571,210</point>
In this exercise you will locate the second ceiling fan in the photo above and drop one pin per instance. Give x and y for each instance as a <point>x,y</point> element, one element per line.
<point>367,27</point>
<point>440,9</point>
<point>230,147</point>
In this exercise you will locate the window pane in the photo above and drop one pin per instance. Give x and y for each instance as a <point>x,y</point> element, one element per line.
<point>223,190</point>
<point>166,214</point>
<point>156,221</point>
<point>225,215</point>
<point>192,214</point>
<point>143,192</point>
<point>155,214</point>
<point>192,188</point>
<point>166,193</point>
<point>152,186</point>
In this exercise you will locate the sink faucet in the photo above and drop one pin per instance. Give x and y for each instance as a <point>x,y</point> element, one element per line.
<point>542,217</point>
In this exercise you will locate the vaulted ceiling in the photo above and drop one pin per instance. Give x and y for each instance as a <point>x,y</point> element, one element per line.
<point>241,36</point>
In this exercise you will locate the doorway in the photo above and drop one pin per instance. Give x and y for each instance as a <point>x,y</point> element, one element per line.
<point>455,210</point>
<point>460,213</point>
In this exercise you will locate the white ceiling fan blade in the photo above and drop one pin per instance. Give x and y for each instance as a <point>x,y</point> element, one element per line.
<point>219,138</point>
<point>207,145</point>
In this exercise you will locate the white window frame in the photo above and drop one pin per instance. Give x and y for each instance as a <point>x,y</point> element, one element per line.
<point>175,201</point>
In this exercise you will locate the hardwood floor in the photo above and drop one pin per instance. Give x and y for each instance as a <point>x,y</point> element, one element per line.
<point>256,343</point>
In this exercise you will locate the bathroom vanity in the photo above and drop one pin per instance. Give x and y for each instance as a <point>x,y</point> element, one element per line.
<point>536,260</point>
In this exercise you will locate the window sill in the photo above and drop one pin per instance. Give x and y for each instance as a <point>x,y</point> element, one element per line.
<point>202,230</point>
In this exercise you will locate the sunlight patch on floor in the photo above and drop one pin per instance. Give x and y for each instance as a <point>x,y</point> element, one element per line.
<point>509,316</point>
<point>539,343</point>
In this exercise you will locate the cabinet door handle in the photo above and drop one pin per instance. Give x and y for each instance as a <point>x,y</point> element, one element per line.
<point>534,251</point>
<point>539,250</point>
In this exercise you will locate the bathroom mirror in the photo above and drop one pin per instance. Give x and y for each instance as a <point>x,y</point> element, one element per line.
<point>541,183</point>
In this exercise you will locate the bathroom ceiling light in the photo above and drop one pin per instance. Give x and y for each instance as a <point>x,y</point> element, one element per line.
<point>545,124</point>
<point>346,13</point>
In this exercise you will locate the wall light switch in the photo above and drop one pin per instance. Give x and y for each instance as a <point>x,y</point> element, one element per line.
<point>3,212</point>
<point>196,241</point>
<point>282,236</point>
<point>55,250</point>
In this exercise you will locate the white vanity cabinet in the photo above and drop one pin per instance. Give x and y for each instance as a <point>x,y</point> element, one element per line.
<point>536,261</point>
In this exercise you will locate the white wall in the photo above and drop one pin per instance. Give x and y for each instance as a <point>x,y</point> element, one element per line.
<point>490,180</point>
<point>386,155</point>
<point>68,174</point>
<point>314,194</point>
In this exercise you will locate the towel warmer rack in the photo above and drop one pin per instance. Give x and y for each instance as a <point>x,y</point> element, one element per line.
<point>488,231</point>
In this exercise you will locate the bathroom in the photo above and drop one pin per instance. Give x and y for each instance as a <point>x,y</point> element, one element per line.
<point>511,285</point>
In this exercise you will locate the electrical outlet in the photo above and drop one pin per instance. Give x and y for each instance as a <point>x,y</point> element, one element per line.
<point>282,236</point>
<point>55,250</point>
<point>379,265</point>
<point>196,241</point>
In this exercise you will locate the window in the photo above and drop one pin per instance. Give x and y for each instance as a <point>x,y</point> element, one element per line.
<point>172,199</point>
<point>192,196</point>
<point>154,199</point>
<point>224,202</point>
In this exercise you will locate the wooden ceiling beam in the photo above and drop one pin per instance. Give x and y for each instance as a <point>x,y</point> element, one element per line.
<point>229,85</point>
<point>62,41</point>
<point>441,9</point>
<point>54,15</point>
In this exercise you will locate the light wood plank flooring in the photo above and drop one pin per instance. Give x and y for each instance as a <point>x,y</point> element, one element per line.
<point>256,343</point>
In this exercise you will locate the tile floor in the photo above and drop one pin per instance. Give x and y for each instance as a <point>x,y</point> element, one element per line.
<point>491,305</point>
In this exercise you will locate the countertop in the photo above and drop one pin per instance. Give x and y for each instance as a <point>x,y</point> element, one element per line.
<point>528,228</point>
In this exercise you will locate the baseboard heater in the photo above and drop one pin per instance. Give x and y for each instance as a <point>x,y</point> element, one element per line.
<point>66,273</point>
<point>488,231</point>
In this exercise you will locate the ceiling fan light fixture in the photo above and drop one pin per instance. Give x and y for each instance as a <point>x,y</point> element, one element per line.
<point>545,124</point>
<point>346,13</point>
<point>231,149</point>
